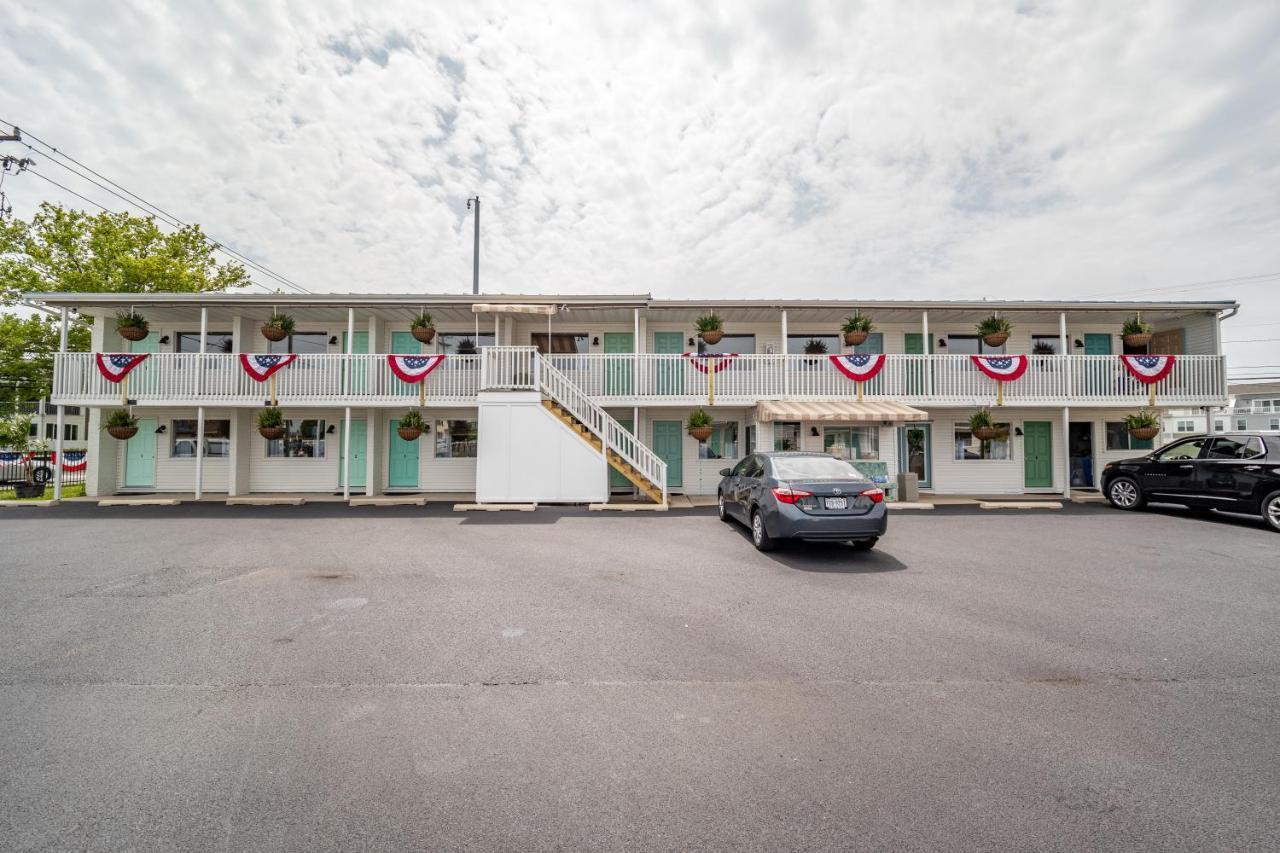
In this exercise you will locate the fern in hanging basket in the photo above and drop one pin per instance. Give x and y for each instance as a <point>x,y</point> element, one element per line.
<point>411,425</point>
<point>699,424</point>
<point>271,423</point>
<point>1143,425</point>
<point>131,325</point>
<point>994,330</point>
<point>120,425</point>
<point>278,327</point>
<point>982,426</point>
<point>710,328</point>
<point>856,328</point>
<point>1135,332</point>
<point>423,328</point>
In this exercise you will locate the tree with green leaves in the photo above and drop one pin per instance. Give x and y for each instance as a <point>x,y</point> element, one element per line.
<point>27,345</point>
<point>70,250</point>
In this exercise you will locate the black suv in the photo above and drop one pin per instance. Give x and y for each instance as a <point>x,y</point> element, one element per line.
<point>1233,472</point>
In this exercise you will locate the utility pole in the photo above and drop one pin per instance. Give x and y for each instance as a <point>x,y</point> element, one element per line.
<point>475,254</point>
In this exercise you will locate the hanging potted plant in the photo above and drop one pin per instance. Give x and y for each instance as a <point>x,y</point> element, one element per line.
<point>121,425</point>
<point>1135,333</point>
<point>423,328</point>
<point>994,331</point>
<point>1143,425</point>
<point>15,435</point>
<point>856,328</point>
<point>411,425</point>
<point>700,424</point>
<point>710,328</point>
<point>131,325</point>
<point>982,427</point>
<point>271,424</point>
<point>279,327</point>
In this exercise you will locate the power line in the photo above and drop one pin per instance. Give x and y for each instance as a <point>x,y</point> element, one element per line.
<point>1257,278</point>
<point>137,200</point>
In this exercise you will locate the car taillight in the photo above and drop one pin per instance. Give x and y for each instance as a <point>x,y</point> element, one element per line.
<point>790,496</point>
<point>875,494</point>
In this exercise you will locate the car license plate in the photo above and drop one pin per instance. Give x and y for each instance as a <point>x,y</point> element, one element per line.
<point>836,503</point>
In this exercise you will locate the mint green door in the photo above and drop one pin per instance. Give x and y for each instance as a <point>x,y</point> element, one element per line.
<point>402,460</point>
<point>1037,452</point>
<point>359,375</point>
<point>668,443</point>
<point>142,379</point>
<point>618,371</point>
<point>670,371</point>
<point>404,343</point>
<point>913,344</point>
<point>140,455</point>
<point>616,480</point>
<point>1095,374</point>
<point>359,443</point>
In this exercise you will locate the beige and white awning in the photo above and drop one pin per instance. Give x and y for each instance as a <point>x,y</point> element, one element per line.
<point>504,308</point>
<point>845,411</point>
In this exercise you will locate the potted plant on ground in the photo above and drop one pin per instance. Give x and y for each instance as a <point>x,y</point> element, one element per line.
<point>411,425</point>
<point>1135,333</point>
<point>15,435</point>
<point>856,328</point>
<point>279,327</point>
<point>994,331</point>
<point>423,328</point>
<point>710,328</point>
<point>982,427</point>
<point>271,424</point>
<point>131,325</point>
<point>121,425</point>
<point>700,424</point>
<point>1143,425</point>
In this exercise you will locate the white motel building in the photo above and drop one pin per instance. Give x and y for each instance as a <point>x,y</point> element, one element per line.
<point>586,398</point>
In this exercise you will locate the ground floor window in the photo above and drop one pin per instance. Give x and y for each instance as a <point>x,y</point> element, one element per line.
<point>723,443</point>
<point>456,439</point>
<point>852,443</point>
<point>1185,426</point>
<point>1118,438</point>
<point>968,448</point>
<point>304,439</point>
<point>786,435</point>
<point>1241,424</point>
<point>1219,426</point>
<point>217,438</point>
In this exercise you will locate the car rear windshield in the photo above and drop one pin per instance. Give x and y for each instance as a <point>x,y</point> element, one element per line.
<point>814,468</point>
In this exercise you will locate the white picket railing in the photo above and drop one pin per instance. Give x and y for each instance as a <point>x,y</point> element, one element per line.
<point>614,436</point>
<point>509,368</point>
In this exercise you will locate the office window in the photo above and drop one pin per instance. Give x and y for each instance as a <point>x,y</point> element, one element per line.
<point>303,440</point>
<point>562,343</point>
<point>1118,438</point>
<point>786,435</point>
<point>1045,344</point>
<point>971,345</point>
<point>302,342</point>
<point>456,439</point>
<point>852,443</point>
<point>217,438</point>
<point>968,448</point>
<point>214,342</point>
<point>1185,426</point>
<point>741,344</point>
<point>1241,423</point>
<point>723,443</point>
<point>464,344</point>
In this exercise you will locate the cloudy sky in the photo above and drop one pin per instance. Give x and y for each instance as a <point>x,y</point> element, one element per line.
<point>896,149</point>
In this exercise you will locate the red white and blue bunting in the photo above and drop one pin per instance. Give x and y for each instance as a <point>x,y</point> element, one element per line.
<point>1002,368</point>
<point>860,367</point>
<point>115,366</point>
<point>413,368</point>
<point>1148,369</point>
<point>711,362</point>
<point>262,367</point>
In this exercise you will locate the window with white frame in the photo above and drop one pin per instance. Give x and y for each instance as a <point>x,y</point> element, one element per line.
<point>1274,423</point>
<point>723,443</point>
<point>1219,426</point>
<point>852,442</point>
<point>217,438</point>
<point>786,435</point>
<point>971,345</point>
<point>1241,423</point>
<point>464,343</point>
<point>1265,406</point>
<point>1185,426</point>
<point>303,439</point>
<point>968,448</point>
<point>1045,345</point>
<point>1118,438</point>
<point>456,439</point>
<point>301,342</point>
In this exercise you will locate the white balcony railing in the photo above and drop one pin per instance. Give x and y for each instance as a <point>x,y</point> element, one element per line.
<point>626,379</point>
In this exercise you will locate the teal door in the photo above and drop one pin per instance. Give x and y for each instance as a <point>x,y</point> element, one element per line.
<point>670,372</point>
<point>668,443</point>
<point>1037,452</point>
<point>616,480</point>
<point>140,455</point>
<point>359,443</point>
<point>402,460</point>
<point>404,343</point>
<point>1097,343</point>
<point>143,378</point>
<point>618,371</point>
<point>913,344</point>
<point>359,375</point>
<point>1095,374</point>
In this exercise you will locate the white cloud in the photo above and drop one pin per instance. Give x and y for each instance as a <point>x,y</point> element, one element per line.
<point>1021,149</point>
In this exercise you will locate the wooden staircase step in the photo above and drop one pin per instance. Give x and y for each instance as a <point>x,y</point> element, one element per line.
<point>637,479</point>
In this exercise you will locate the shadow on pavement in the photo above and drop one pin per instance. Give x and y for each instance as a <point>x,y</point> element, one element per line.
<point>827,557</point>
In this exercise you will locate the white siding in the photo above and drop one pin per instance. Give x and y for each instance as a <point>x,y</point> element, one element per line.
<point>179,474</point>
<point>281,474</point>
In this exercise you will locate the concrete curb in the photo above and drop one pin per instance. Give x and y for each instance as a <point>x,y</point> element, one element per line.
<point>627,507</point>
<point>139,502</point>
<point>494,507</point>
<point>266,501</point>
<point>908,505</point>
<point>1020,505</point>
<point>415,500</point>
<point>44,504</point>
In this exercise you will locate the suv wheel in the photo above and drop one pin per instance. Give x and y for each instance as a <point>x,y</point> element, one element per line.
<point>1125,493</point>
<point>759,536</point>
<point>1271,510</point>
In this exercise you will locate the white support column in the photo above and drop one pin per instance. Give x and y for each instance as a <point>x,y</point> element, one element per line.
<point>200,371</point>
<point>62,418</point>
<point>786,374</point>
<point>1066,452</point>
<point>370,421</point>
<point>346,422</point>
<point>199,452</point>
<point>927,349</point>
<point>1062,334</point>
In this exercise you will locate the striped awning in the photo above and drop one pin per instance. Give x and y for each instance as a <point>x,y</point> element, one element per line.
<point>502,308</point>
<point>845,411</point>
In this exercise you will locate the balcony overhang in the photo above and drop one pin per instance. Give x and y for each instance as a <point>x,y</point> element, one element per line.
<point>844,411</point>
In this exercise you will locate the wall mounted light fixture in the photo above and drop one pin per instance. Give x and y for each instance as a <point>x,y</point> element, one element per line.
<point>331,429</point>
<point>333,341</point>
<point>164,339</point>
<point>1017,430</point>
<point>160,429</point>
<point>1078,344</point>
<point>595,342</point>
<point>690,342</point>
<point>813,431</point>
<point>942,343</point>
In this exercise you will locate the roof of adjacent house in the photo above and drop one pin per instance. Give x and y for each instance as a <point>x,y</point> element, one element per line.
<point>1253,389</point>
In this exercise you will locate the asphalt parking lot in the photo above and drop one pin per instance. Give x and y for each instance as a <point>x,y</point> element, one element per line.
<point>327,678</point>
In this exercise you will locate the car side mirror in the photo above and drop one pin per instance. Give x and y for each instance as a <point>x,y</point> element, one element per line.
<point>726,472</point>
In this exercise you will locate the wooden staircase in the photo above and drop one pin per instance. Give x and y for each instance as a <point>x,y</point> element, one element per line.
<point>616,462</point>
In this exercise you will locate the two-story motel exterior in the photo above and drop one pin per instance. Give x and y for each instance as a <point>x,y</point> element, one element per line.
<point>575,398</point>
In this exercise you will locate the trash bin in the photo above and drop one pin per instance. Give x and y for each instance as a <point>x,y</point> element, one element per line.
<point>908,487</point>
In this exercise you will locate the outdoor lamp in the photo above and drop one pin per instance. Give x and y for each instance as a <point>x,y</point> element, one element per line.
<point>813,431</point>
<point>690,341</point>
<point>1017,430</point>
<point>331,429</point>
<point>595,342</point>
<point>164,339</point>
<point>1078,344</point>
<point>942,343</point>
<point>333,341</point>
<point>161,428</point>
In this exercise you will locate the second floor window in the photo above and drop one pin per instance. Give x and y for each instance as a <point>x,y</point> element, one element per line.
<point>213,342</point>
<point>301,342</point>
<point>971,345</point>
<point>562,343</point>
<point>1045,345</point>
<point>741,344</point>
<point>464,344</point>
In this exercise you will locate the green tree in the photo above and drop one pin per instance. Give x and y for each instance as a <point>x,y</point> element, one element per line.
<point>70,250</point>
<point>27,345</point>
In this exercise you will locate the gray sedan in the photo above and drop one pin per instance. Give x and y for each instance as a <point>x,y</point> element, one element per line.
<point>803,496</point>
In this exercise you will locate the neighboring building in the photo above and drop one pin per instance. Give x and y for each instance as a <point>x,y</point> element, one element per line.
<point>1254,405</point>
<point>44,422</point>
<point>520,369</point>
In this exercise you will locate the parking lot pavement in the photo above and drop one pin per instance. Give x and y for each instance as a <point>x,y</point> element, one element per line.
<point>330,678</point>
